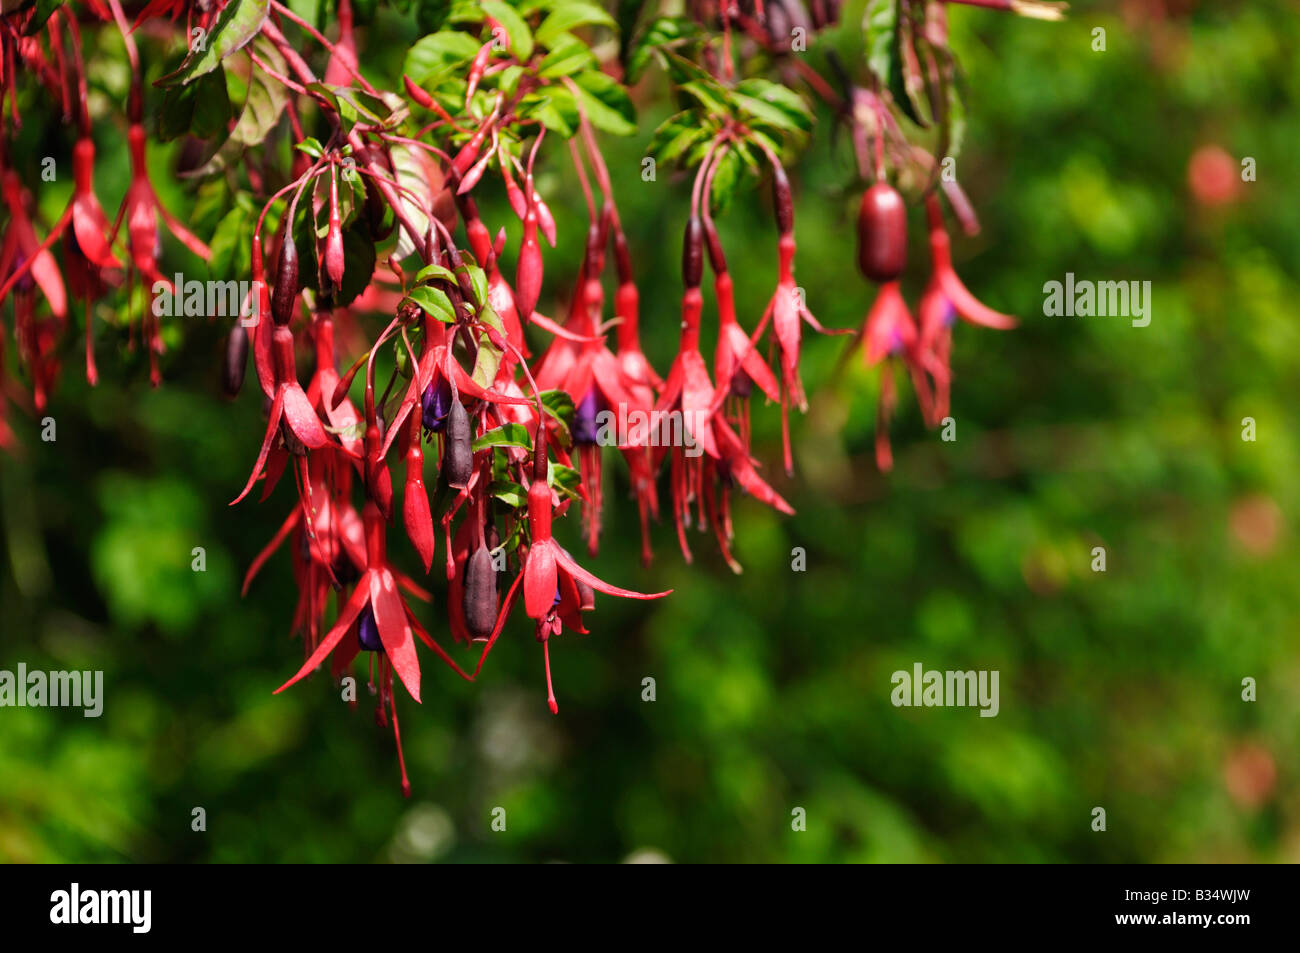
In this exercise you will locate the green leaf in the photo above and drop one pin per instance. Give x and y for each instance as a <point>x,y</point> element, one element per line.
<point>521,38</point>
<point>436,56</point>
<point>568,55</point>
<point>660,34</point>
<point>676,135</point>
<point>202,107</point>
<point>556,109</point>
<point>570,14</point>
<point>878,24</point>
<point>509,492</point>
<point>488,358</point>
<point>726,179</point>
<point>408,169</point>
<point>883,31</point>
<point>433,302</point>
<point>606,103</point>
<point>430,15</point>
<point>565,480</point>
<point>775,104</point>
<point>44,10</point>
<point>262,110</point>
<point>434,272</point>
<point>311,146</point>
<point>235,28</point>
<point>559,405</point>
<point>711,97</point>
<point>230,244</point>
<point>507,435</point>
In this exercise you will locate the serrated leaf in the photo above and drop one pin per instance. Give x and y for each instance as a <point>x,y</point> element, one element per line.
<point>708,96</point>
<point>559,405</point>
<point>239,23</point>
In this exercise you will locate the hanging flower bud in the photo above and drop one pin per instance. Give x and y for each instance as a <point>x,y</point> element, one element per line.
<point>285,296</point>
<point>782,201</point>
<point>480,593</point>
<point>458,456</point>
<point>415,501</point>
<point>528,276</point>
<point>882,233</point>
<point>236,360</point>
<point>693,253</point>
<point>334,237</point>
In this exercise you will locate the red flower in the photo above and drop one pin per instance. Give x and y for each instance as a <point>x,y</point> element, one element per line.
<point>397,626</point>
<point>551,579</point>
<point>141,210</point>
<point>945,299</point>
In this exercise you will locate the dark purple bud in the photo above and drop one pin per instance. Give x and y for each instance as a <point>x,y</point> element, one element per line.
<point>693,253</point>
<point>458,455</point>
<point>368,631</point>
<point>782,201</point>
<point>236,361</point>
<point>480,594</point>
<point>285,294</point>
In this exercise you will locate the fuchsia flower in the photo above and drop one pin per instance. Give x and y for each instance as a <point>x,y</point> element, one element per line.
<point>375,618</point>
<point>737,366</point>
<point>141,210</point>
<point>945,299</point>
<point>377,608</point>
<point>787,310</point>
<point>293,418</point>
<point>641,383</point>
<point>716,453</point>
<point>551,579</point>
<point>890,332</point>
<point>27,266</point>
<point>591,374</point>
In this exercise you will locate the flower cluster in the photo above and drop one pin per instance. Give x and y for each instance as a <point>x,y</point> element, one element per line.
<point>375,213</point>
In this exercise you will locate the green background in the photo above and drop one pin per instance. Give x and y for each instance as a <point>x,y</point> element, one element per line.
<point>1120,690</point>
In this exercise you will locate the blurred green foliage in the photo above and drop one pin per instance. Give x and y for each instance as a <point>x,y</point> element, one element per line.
<point>1119,689</point>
